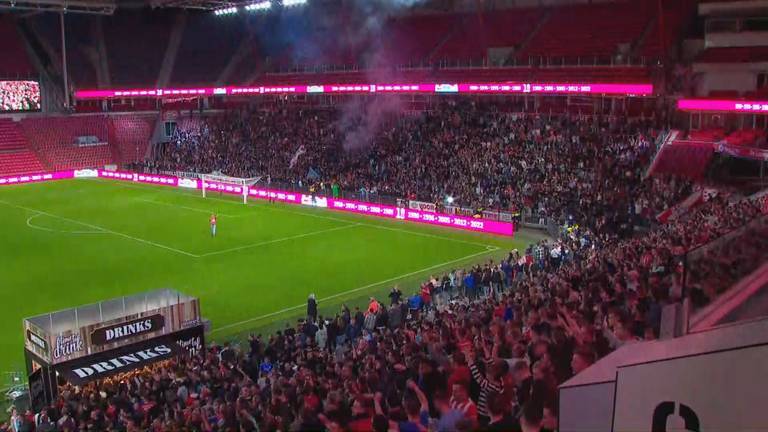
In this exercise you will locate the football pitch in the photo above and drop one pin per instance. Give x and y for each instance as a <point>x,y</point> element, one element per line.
<point>74,242</point>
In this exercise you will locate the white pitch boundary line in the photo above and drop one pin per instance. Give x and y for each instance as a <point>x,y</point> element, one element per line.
<point>436,266</point>
<point>271,208</point>
<point>278,209</point>
<point>96,227</point>
<point>184,207</point>
<point>37,227</point>
<point>264,243</point>
<point>108,231</point>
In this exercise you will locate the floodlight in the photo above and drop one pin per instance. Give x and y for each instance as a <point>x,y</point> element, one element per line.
<point>259,6</point>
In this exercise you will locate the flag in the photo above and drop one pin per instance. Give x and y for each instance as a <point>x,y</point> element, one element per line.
<point>312,174</point>
<point>300,151</point>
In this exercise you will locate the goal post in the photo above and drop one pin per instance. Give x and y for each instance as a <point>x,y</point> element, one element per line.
<point>229,184</point>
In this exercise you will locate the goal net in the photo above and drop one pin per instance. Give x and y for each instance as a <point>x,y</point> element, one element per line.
<point>232,185</point>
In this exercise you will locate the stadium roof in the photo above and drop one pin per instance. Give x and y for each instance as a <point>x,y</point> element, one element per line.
<point>99,7</point>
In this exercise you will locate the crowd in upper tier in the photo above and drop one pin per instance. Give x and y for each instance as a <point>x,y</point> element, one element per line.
<point>481,348</point>
<point>479,155</point>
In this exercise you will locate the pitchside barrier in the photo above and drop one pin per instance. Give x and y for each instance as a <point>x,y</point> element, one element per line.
<point>711,380</point>
<point>108,339</point>
<point>366,208</point>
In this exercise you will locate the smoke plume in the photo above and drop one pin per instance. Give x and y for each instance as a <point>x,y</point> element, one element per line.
<point>363,117</point>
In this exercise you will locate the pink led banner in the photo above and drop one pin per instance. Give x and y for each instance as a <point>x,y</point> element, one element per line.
<point>371,209</point>
<point>34,178</point>
<point>369,88</point>
<point>740,106</point>
<point>365,208</point>
<point>559,88</point>
<point>452,221</point>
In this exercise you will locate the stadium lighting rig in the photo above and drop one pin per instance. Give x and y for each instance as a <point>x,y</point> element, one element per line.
<point>226,11</point>
<point>94,7</point>
<point>290,3</point>
<point>259,6</point>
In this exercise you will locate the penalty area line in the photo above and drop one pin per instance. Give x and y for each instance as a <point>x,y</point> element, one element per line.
<point>41,228</point>
<point>184,207</point>
<point>354,290</point>
<point>96,227</point>
<point>268,242</point>
<point>260,205</point>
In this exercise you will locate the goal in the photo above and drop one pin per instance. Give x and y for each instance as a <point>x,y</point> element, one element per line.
<point>222,183</point>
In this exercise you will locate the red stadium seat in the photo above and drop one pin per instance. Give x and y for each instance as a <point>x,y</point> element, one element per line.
<point>15,155</point>
<point>55,139</point>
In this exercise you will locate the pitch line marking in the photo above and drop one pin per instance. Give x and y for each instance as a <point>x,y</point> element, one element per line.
<point>41,228</point>
<point>271,208</point>
<point>277,209</point>
<point>96,227</point>
<point>264,243</point>
<point>185,207</point>
<point>108,231</point>
<point>303,305</point>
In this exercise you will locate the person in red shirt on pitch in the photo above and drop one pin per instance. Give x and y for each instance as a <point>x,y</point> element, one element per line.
<point>213,225</point>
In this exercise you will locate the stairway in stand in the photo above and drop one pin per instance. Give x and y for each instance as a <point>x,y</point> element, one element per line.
<point>15,154</point>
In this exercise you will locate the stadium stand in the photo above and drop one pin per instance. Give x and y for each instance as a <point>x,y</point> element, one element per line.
<point>10,137</point>
<point>589,31</point>
<point>658,41</point>
<point>686,159</point>
<point>733,55</point>
<point>415,358</point>
<point>55,139</point>
<point>121,138</point>
<point>689,155</point>
<point>410,39</point>
<point>20,162</point>
<point>479,32</point>
<point>201,58</point>
<point>130,136</point>
<point>481,347</point>
<point>80,46</point>
<point>134,56</point>
<point>16,63</point>
<point>15,155</point>
<point>602,74</point>
<point>199,150</point>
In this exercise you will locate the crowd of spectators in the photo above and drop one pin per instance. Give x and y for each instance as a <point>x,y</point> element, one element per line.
<point>477,154</point>
<point>482,348</point>
<point>19,96</point>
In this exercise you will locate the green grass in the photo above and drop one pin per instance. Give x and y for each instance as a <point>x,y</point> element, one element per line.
<point>74,242</point>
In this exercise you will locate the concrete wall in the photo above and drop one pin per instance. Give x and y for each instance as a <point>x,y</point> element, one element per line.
<point>739,77</point>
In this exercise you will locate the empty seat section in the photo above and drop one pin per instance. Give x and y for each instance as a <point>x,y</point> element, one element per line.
<point>131,136</point>
<point>15,155</point>
<point>411,39</point>
<point>22,162</point>
<point>208,44</point>
<point>11,138</point>
<point>55,139</point>
<point>683,159</point>
<point>15,61</point>
<point>590,30</point>
<point>134,56</point>
<point>480,32</point>
<point>734,55</point>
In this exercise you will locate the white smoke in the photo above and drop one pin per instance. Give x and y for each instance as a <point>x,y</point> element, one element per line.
<point>363,117</point>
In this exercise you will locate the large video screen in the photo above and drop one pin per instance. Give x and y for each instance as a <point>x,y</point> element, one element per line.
<point>19,96</point>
